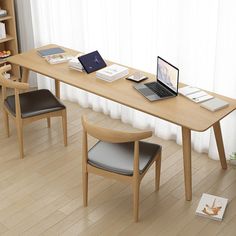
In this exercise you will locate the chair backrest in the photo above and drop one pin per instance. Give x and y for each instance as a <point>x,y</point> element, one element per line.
<point>9,83</point>
<point>17,86</point>
<point>113,136</point>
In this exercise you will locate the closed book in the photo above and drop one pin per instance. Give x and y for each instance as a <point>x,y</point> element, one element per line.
<point>112,73</point>
<point>50,51</point>
<point>212,207</point>
<point>214,104</point>
<point>3,13</point>
<point>2,31</point>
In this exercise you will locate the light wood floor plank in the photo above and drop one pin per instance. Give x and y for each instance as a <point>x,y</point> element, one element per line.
<point>42,194</point>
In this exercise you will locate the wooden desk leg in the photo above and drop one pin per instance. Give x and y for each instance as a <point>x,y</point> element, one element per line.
<point>57,88</point>
<point>25,75</point>
<point>220,144</point>
<point>186,139</point>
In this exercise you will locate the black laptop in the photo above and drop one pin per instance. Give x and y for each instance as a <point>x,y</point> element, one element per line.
<point>92,62</point>
<point>166,85</point>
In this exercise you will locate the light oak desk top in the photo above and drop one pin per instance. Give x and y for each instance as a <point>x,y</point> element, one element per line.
<point>178,110</point>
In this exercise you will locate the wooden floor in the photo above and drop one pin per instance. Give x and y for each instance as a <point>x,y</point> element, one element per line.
<point>42,194</point>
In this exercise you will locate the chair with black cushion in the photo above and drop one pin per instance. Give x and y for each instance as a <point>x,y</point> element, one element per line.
<point>119,155</point>
<point>27,107</point>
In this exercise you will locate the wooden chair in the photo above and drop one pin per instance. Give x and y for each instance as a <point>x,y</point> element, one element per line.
<point>119,155</point>
<point>27,107</point>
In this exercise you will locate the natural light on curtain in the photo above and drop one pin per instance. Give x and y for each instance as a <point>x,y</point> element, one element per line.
<point>195,35</point>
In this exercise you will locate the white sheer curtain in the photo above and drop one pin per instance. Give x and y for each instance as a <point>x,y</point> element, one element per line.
<point>24,30</point>
<point>196,35</point>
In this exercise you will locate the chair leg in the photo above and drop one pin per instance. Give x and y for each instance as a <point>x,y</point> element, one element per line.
<point>64,125</point>
<point>157,172</point>
<point>85,188</point>
<point>136,186</point>
<point>20,138</point>
<point>6,122</point>
<point>49,122</point>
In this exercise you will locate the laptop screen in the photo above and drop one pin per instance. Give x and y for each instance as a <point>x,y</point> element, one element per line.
<point>167,74</point>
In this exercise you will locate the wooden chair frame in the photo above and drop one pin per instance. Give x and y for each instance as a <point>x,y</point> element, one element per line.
<point>115,136</point>
<point>19,121</point>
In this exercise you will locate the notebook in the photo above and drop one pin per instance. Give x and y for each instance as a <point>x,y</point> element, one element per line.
<point>214,104</point>
<point>50,51</point>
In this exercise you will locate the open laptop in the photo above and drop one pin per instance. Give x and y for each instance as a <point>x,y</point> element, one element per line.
<point>166,85</point>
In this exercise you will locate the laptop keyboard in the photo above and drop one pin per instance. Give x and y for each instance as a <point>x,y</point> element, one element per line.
<point>158,89</point>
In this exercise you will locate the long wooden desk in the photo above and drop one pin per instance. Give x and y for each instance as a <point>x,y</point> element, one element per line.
<point>178,110</point>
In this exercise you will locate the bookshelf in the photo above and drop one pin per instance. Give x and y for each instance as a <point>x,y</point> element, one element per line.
<point>10,42</point>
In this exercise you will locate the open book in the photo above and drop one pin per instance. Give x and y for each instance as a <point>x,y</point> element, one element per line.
<point>58,58</point>
<point>195,94</point>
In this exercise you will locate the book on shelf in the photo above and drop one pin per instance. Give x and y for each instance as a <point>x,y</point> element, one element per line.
<point>58,58</point>
<point>2,30</point>
<point>212,207</point>
<point>195,94</point>
<point>50,51</point>
<point>214,104</point>
<point>3,12</point>
<point>112,73</point>
<point>75,64</point>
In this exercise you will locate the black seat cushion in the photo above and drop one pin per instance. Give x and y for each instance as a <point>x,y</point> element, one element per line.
<point>34,103</point>
<point>118,157</point>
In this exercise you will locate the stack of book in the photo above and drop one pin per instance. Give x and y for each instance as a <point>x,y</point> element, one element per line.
<point>54,55</point>
<point>112,73</point>
<point>2,30</point>
<point>75,64</point>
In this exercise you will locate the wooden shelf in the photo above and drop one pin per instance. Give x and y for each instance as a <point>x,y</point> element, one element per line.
<point>2,61</point>
<point>8,38</point>
<point>5,18</point>
<point>10,42</point>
